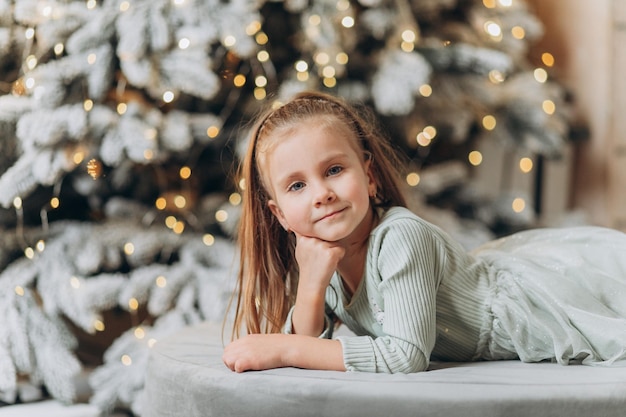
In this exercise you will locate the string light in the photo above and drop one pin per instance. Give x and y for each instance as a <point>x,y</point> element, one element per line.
<point>129,248</point>
<point>184,43</point>
<point>179,227</point>
<point>168,96</point>
<point>184,172</point>
<point>540,75</point>
<point>548,59</point>
<point>55,202</point>
<point>260,93</point>
<point>518,205</point>
<point>490,4</point>
<point>496,76</point>
<point>19,290</point>
<point>208,239</point>
<point>160,203</point>
<point>133,304</point>
<point>261,38</point>
<point>91,59</point>
<point>526,165</point>
<point>229,41</point>
<point>121,108</point>
<point>180,201</point>
<point>98,325</point>
<point>58,49</point>
<point>75,283</point>
<point>221,216</point>
<point>29,253</point>
<point>548,106</point>
<point>91,4</point>
<point>234,199</point>
<point>139,333</point>
<point>489,122</point>
<point>347,22</point>
<point>425,90</point>
<point>475,158</point>
<point>518,32</point>
<point>126,360</point>
<point>124,6</point>
<point>213,131</point>
<point>41,245</point>
<point>260,81</point>
<point>413,179</point>
<point>94,168</point>
<point>161,281</point>
<point>263,56</point>
<point>88,105</point>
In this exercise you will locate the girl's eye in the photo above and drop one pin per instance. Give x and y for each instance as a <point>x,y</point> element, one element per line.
<point>335,170</point>
<point>296,186</point>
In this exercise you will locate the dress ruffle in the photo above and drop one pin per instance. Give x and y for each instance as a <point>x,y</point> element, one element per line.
<point>558,294</point>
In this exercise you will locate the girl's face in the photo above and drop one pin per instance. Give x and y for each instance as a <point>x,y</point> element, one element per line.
<point>320,182</point>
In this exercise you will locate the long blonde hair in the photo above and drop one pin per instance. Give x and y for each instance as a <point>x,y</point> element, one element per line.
<point>268,271</point>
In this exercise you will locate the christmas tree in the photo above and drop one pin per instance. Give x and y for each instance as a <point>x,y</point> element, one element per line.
<point>122,121</point>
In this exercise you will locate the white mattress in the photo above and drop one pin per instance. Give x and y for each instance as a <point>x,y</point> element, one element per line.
<point>186,377</point>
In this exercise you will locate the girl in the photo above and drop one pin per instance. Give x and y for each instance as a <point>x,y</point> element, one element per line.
<point>325,237</point>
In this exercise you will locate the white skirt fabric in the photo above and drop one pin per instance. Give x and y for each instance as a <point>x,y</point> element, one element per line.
<point>559,294</point>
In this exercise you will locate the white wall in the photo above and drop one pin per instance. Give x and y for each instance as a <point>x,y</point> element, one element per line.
<point>588,40</point>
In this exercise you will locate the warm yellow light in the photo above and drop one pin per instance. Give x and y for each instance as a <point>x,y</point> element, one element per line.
<point>160,203</point>
<point>328,71</point>
<point>253,28</point>
<point>129,248</point>
<point>548,106</point>
<point>261,38</point>
<point>229,41</point>
<point>17,203</point>
<point>496,76</point>
<point>302,76</point>
<point>234,199</point>
<point>98,325</point>
<point>518,205</point>
<point>422,139</point>
<point>490,4</point>
<point>341,58</point>
<point>55,202</point>
<point>212,131</point>
<point>170,221</point>
<point>548,59</point>
<point>263,56</point>
<point>330,82</point>
<point>321,58</point>
<point>184,172</point>
<point>19,290</point>
<point>29,253</point>
<point>413,178</point>
<point>88,105</point>
<point>91,59</point>
<point>475,158</point>
<point>121,108</point>
<point>315,20</point>
<point>180,201</point>
<point>407,46</point>
<point>178,228</point>
<point>161,281</point>
<point>126,360</point>
<point>425,90</point>
<point>124,6</point>
<point>133,304</point>
<point>489,122</point>
<point>518,32</point>
<point>526,165</point>
<point>139,333</point>
<point>221,216</point>
<point>208,239</point>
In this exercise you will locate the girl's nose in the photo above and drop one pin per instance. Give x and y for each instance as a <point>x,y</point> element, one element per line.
<point>324,195</point>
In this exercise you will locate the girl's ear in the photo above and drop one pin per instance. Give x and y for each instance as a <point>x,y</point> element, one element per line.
<point>278,213</point>
<point>371,185</point>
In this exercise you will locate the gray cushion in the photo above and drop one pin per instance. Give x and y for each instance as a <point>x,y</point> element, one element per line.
<point>186,377</point>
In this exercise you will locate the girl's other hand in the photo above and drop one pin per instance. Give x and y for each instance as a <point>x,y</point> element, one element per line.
<point>317,260</point>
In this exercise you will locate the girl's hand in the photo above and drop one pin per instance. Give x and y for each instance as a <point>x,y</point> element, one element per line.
<point>317,260</point>
<point>267,351</point>
<point>255,352</point>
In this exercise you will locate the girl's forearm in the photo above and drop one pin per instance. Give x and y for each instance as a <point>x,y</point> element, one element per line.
<point>313,353</point>
<point>308,314</point>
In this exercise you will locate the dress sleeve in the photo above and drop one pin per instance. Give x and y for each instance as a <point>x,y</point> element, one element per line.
<point>407,257</point>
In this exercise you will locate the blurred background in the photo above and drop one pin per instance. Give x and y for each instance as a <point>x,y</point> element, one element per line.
<point>122,123</point>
